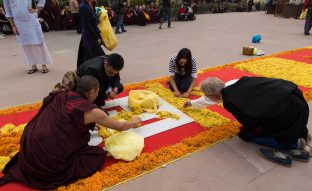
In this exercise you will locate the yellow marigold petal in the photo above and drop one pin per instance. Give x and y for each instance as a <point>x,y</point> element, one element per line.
<point>297,72</point>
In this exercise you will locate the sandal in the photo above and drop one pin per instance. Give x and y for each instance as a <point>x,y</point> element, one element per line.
<point>46,70</point>
<point>276,156</point>
<point>300,155</point>
<point>31,71</point>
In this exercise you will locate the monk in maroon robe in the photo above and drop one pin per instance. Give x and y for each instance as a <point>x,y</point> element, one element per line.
<point>56,15</point>
<point>54,146</point>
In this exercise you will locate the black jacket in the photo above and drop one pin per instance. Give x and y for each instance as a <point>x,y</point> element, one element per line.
<point>266,107</point>
<point>95,67</point>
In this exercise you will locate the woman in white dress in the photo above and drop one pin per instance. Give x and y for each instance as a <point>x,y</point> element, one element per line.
<point>26,26</point>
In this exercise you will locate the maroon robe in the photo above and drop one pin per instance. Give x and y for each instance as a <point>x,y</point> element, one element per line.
<point>54,146</point>
<point>129,17</point>
<point>57,18</point>
<point>68,21</point>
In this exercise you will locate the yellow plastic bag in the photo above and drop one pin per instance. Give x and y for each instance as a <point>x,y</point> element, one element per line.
<point>125,146</point>
<point>143,99</point>
<point>107,34</point>
<point>147,17</point>
<point>303,14</point>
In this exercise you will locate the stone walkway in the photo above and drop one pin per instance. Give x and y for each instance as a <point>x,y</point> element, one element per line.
<point>214,39</point>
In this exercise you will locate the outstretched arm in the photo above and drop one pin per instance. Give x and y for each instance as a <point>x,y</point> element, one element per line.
<point>100,117</point>
<point>199,103</point>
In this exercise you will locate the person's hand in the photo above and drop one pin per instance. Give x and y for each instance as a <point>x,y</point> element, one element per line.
<point>187,104</point>
<point>185,95</point>
<point>177,93</point>
<point>98,127</point>
<point>32,10</point>
<point>99,41</point>
<point>135,122</point>
<point>112,94</point>
<point>15,31</point>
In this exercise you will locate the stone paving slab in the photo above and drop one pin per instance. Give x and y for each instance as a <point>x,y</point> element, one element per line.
<point>214,39</point>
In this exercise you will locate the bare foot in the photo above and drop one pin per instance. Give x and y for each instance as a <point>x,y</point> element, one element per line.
<point>306,145</point>
<point>309,140</point>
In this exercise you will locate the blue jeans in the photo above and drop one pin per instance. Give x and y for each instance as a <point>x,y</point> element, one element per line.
<point>120,23</point>
<point>270,142</point>
<point>183,82</point>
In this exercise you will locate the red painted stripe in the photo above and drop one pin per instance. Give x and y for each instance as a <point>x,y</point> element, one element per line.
<point>304,56</point>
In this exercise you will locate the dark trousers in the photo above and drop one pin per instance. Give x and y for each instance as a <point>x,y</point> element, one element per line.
<point>183,82</point>
<point>307,26</point>
<point>77,22</point>
<point>88,49</point>
<point>166,15</point>
<point>120,23</point>
<point>272,143</point>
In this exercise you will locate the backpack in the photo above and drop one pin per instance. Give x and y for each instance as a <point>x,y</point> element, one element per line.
<point>44,25</point>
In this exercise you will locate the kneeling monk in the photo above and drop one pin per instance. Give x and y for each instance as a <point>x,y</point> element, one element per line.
<point>54,146</point>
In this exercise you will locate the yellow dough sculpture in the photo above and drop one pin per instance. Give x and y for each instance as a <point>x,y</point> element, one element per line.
<point>125,146</point>
<point>143,99</point>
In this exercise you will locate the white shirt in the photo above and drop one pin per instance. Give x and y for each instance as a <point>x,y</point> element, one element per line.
<point>206,101</point>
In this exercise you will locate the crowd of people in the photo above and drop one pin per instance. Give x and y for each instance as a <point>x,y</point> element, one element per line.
<point>56,17</point>
<point>54,146</point>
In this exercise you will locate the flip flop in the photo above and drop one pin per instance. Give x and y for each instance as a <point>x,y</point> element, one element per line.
<point>276,156</point>
<point>46,70</point>
<point>31,71</point>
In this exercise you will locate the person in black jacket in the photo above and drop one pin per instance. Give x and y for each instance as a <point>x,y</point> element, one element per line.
<point>165,13</point>
<point>308,22</point>
<point>106,70</point>
<point>90,43</point>
<point>273,112</point>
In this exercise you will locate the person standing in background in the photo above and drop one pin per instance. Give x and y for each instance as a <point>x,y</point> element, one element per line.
<point>24,21</point>
<point>74,9</point>
<point>56,15</point>
<point>308,23</point>
<point>166,13</point>
<point>119,7</point>
<point>3,22</point>
<point>90,43</point>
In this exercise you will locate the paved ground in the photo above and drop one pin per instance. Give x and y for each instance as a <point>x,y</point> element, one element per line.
<point>214,39</point>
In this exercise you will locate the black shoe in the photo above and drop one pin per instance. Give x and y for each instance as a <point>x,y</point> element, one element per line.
<point>159,27</point>
<point>123,30</point>
<point>307,33</point>
<point>276,156</point>
<point>117,32</point>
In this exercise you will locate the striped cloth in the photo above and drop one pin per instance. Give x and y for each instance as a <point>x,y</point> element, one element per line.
<point>173,69</point>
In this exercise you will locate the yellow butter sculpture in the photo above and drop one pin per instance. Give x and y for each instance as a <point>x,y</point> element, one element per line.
<point>143,99</point>
<point>125,146</point>
<point>107,34</point>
